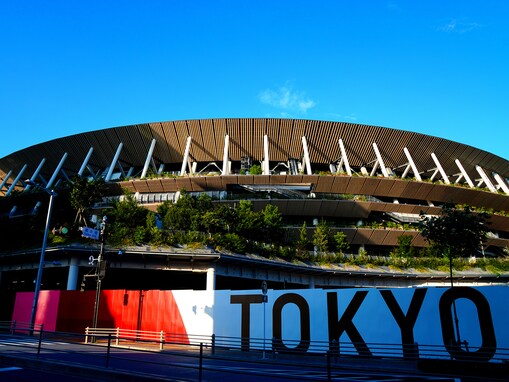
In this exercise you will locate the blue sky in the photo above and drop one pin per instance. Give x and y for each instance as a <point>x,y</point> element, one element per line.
<point>435,67</point>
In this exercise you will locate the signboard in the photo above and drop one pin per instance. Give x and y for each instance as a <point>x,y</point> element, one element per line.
<point>90,233</point>
<point>415,318</point>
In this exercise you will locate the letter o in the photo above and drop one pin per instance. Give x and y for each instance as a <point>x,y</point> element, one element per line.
<point>489,341</point>
<point>305,336</point>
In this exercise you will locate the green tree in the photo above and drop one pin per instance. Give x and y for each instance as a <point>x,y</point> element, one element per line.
<point>272,223</point>
<point>247,221</point>
<point>340,242</point>
<point>220,219</point>
<point>124,218</point>
<point>321,236</point>
<point>180,215</point>
<point>255,169</point>
<point>83,195</point>
<point>153,234</point>
<point>456,232</point>
<point>405,248</point>
<point>303,240</point>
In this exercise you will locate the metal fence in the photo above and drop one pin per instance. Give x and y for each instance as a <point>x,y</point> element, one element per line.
<point>108,347</point>
<point>274,347</point>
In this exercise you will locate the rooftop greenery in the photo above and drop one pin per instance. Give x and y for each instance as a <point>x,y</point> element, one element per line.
<point>196,222</point>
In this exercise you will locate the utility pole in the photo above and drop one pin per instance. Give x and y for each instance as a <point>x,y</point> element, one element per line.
<point>38,280</point>
<point>100,272</point>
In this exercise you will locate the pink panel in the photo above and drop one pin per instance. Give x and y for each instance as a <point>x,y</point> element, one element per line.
<point>23,306</point>
<point>47,308</point>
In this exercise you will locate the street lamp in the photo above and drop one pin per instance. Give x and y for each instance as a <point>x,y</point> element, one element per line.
<point>52,194</point>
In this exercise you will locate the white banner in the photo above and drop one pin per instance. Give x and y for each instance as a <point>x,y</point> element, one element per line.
<point>321,320</point>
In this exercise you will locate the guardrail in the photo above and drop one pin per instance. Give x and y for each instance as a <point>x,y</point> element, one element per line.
<point>200,353</point>
<point>274,347</point>
<point>19,327</point>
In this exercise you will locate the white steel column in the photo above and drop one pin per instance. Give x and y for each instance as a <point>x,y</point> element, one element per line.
<point>85,161</point>
<point>186,157</point>
<point>225,170</point>
<point>211,279</point>
<point>266,169</point>
<point>148,159</point>
<point>306,156</point>
<point>464,173</point>
<point>375,167</point>
<point>55,173</point>
<point>440,169</point>
<point>485,178</point>
<point>7,176</point>
<point>412,164</point>
<point>501,183</point>
<point>380,160</point>
<point>344,158</point>
<point>114,162</point>
<point>16,180</point>
<point>35,174</point>
<point>72,278</point>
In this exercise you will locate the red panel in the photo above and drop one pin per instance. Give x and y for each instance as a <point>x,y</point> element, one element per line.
<point>73,311</point>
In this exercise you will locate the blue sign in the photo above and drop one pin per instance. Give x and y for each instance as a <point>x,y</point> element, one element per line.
<point>90,233</point>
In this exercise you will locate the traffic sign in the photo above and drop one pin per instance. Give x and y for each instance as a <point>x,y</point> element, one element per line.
<point>90,233</point>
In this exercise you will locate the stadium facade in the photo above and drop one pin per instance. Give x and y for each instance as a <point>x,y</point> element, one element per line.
<point>359,177</point>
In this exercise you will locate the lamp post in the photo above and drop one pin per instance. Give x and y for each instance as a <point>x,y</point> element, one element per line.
<point>52,195</point>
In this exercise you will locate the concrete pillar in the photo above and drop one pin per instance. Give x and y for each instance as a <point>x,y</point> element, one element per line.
<point>211,279</point>
<point>72,278</point>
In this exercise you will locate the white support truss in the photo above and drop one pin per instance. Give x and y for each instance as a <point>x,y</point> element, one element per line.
<point>380,161</point>
<point>501,183</point>
<point>463,174</point>
<point>439,169</point>
<point>114,162</point>
<point>344,158</point>
<point>34,176</point>
<point>186,157</point>
<point>148,159</point>
<point>7,176</point>
<point>16,180</point>
<point>411,164</point>
<point>307,161</point>
<point>84,165</point>
<point>266,169</point>
<point>485,179</point>
<point>51,182</point>
<point>225,170</point>
<point>374,169</point>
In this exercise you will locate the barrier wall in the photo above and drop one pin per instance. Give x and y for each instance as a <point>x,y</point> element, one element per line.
<point>296,319</point>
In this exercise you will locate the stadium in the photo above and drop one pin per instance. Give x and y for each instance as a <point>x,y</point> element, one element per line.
<point>371,184</point>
